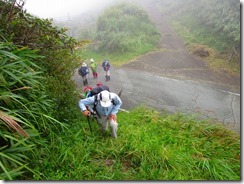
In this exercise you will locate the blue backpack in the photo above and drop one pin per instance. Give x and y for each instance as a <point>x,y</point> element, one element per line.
<point>82,71</point>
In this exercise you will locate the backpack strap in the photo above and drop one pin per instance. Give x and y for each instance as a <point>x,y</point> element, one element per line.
<point>96,102</point>
<point>113,102</point>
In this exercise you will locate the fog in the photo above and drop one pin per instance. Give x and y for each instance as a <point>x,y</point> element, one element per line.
<point>208,93</point>
<point>61,9</point>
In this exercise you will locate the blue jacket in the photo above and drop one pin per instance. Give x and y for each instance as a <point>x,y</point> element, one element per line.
<point>106,65</point>
<point>105,111</point>
<point>83,71</point>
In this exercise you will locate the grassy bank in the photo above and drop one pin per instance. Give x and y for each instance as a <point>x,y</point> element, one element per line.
<point>207,43</point>
<point>150,146</point>
<point>117,59</point>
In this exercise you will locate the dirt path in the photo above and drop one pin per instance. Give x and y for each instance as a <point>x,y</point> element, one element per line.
<point>174,61</point>
<point>197,89</point>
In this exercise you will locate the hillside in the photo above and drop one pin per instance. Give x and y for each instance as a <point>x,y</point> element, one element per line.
<point>45,137</point>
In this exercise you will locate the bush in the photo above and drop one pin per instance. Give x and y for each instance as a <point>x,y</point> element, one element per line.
<point>125,28</point>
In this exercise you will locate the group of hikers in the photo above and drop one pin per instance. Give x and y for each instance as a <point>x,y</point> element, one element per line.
<point>84,70</point>
<point>99,102</point>
<point>103,105</point>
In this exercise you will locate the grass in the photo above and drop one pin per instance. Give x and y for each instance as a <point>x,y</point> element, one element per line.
<point>215,60</point>
<point>150,146</point>
<point>117,59</point>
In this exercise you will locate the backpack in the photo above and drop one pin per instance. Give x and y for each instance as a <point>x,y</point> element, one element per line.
<point>94,91</point>
<point>89,91</point>
<point>106,65</point>
<point>98,89</point>
<point>96,102</point>
<point>82,71</point>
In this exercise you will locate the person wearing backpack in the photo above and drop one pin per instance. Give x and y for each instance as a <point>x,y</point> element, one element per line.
<point>93,66</point>
<point>83,71</point>
<point>87,90</point>
<point>91,91</point>
<point>106,68</point>
<point>106,105</point>
<point>98,89</point>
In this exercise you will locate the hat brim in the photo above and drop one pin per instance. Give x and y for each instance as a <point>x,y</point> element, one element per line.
<point>105,104</point>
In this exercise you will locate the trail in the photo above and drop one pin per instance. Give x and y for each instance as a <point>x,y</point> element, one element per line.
<point>172,80</point>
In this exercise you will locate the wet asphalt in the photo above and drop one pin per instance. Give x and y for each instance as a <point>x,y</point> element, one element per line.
<point>196,98</point>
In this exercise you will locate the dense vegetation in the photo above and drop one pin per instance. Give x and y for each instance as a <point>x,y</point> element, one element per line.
<point>123,30</point>
<point>25,109</point>
<point>37,63</point>
<point>43,136</point>
<point>58,63</point>
<point>215,22</point>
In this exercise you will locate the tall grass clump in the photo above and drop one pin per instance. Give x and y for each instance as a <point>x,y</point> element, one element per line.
<point>150,146</point>
<point>24,111</point>
<point>37,94</point>
<point>197,44</point>
<point>214,25</point>
<point>58,62</point>
<point>125,30</point>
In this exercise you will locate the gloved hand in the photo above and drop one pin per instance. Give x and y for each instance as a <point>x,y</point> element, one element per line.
<point>113,117</point>
<point>86,113</point>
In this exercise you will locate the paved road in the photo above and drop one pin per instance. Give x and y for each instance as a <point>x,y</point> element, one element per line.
<point>172,80</point>
<point>208,101</point>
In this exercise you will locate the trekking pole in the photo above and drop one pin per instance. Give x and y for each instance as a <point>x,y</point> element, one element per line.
<point>123,110</point>
<point>89,122</point>
<point>119,94</point>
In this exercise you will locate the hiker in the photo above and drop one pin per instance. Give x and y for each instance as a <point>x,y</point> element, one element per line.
<point>83,71</point>
<point>106,105</point>
<point>100,87</point>
<point>87,90</point>
<point>90,91</point>
<point>106,68</point>
<point>93,66</point>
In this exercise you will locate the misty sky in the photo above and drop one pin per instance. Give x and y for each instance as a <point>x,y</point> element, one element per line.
<point>61,8</point>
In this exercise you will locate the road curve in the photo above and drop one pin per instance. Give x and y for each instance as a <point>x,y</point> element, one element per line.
<point>172,80</point>
<point>207,101</point>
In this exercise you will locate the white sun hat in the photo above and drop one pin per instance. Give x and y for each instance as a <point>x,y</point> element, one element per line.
<point>105,98</point>
<point>83,64</point>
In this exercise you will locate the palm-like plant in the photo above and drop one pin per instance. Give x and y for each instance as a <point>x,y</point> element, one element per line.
<point>24,109</point>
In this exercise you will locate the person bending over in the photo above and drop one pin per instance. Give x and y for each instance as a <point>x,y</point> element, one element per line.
<point>106,105</point>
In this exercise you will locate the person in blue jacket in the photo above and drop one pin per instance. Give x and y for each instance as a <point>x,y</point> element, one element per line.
<point>107,105</point>
<point>106,68</point>
<point>84,71</point>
